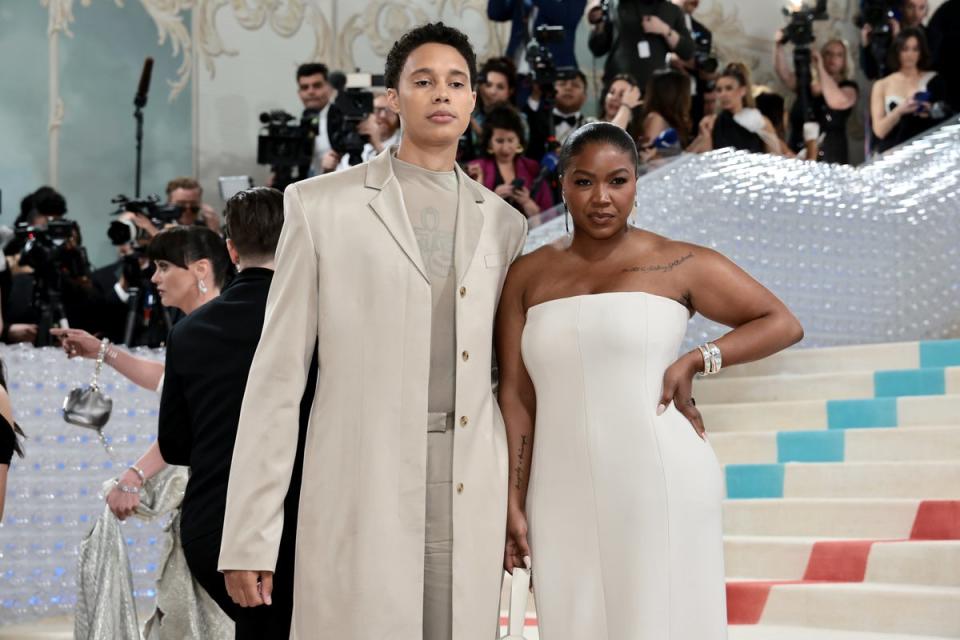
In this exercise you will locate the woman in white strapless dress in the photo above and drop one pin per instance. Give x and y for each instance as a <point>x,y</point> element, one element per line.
<point>609,465</point>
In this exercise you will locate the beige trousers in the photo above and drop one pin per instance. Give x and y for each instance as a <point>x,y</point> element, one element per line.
<point>438,548</point>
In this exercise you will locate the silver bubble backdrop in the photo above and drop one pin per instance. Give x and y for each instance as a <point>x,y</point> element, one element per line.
<point>860,255</point>
<point>53,493</point>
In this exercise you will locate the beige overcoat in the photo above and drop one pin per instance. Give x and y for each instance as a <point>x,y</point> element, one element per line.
<point>349,274</point>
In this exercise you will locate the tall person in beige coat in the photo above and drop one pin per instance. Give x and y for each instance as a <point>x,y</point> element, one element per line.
<point>394,268</point>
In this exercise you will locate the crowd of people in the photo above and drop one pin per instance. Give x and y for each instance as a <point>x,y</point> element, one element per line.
<point>449,176</point>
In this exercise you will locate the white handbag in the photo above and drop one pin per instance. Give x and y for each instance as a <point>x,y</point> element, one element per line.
<point>519,592</point>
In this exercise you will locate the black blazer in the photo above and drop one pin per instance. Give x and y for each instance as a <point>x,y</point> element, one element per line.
<point>209,354</point>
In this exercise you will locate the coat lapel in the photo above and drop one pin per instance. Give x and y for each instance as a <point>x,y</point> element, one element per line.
<point>387,203</point>
<point>469,224</point>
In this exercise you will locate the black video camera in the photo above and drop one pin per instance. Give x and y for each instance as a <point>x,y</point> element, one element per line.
<point>41,243</point>
<point>543,68</point>
<point>284,142</point>
<point>799,29</point>
<point>354,104</point>
<point>877,14</point>
<point>123,232</point>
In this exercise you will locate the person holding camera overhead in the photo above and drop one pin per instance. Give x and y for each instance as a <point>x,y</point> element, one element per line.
<point>880,22</point>
<point>526,15</point>
<point>638,35</point>
<point>703,68</point>
<point>833,93</point>
<point>503,169</point>
<point>901,104</point>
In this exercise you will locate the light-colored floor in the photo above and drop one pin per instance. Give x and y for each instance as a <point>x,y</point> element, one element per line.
<point>61,628</point>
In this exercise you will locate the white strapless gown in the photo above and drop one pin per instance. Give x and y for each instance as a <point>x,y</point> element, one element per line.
<point>624,506</point>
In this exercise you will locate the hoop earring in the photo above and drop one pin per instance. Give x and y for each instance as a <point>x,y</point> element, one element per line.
<point>202,286</point>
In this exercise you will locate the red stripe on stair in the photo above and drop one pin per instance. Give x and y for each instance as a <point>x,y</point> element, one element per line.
<point>937,520</point>
<point>838,560</point>
<point>746,600</point>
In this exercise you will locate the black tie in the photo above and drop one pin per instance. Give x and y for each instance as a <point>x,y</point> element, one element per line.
<point>570,120</point>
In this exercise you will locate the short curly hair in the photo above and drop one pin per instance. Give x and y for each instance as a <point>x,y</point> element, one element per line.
<point>503,116</point>
<point>433,32</point>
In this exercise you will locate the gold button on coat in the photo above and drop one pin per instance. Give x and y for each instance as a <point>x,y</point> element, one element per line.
<point>463,421</point>
<point>463,292</point>
<point>459,487</point>
<point>465,355</point>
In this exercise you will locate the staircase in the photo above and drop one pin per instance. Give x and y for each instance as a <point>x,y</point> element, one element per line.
<point>842,470</point>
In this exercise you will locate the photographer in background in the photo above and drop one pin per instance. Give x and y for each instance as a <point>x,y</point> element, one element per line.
<point>187,194</point>
<point>638,35</point>
<point>559,119</point>
<point>381,129</point>
<point>51,280</point>
<point>833,96</point>
<point>881,21</point>
<point>525,17</point>
<point>317,94</point>
<point>704,67</point>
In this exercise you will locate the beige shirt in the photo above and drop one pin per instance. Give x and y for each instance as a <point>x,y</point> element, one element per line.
<point>431,200</point>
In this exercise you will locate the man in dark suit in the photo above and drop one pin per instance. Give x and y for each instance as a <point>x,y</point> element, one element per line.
<point>559,13</point>
<point>208,359</point>
<point>702,68</point>
<point>638,35</point>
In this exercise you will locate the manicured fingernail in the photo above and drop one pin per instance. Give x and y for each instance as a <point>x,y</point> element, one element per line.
<point>660,409</point>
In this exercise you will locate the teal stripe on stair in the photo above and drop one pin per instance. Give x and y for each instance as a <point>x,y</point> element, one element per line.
<point>861,414</point>
<point>810,446</point>
<point>940,353</point>
<point>910,382</point>
<point>754,481</point>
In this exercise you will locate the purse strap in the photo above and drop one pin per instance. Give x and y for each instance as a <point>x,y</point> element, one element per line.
<point>101,354</point>
<point>519,592</point>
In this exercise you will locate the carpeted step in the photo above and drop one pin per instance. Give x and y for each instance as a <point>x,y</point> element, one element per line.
<point>929,480</point>
<point>838,445</point>
<point>805,415</point>
<point>868,357</point>
<point>922,562</point>
<point>828,386</point>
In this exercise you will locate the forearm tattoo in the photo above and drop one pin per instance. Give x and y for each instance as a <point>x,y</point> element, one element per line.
<point>663,268</point>
<point>519,468</point>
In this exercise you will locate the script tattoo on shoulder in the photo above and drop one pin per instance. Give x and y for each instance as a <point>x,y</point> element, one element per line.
<point>519,468</point>
<point>661,268</point>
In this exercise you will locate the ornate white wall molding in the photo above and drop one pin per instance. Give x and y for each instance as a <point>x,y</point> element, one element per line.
<point>60,17</point>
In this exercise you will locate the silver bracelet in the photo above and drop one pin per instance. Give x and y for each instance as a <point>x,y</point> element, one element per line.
<point>712,358</point>
<point>137,470</point>
<point>125,488</point>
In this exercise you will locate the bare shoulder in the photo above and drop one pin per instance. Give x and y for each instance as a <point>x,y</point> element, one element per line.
<point>524,270</point>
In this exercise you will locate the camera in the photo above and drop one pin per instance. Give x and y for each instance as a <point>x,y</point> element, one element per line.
<point>354,104</point>
<point>123,232</point>
<point>877,14</point>
<point>543,68</point>
<point>799,30</point>
<point>702,55</point>
<point>54,253</point>
<point>285,142</point>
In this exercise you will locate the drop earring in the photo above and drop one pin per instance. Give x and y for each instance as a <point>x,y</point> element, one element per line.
<point>202,286</point>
